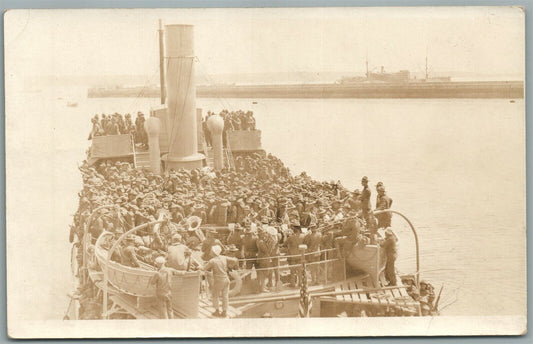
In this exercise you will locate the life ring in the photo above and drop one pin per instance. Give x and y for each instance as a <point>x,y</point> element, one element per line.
<point>235,284</point>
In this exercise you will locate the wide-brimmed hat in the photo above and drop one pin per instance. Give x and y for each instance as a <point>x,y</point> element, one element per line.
<point>216,249</point>
<point>176,238</point>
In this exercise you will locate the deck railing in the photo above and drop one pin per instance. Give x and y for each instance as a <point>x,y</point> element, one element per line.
<point>327,267</point>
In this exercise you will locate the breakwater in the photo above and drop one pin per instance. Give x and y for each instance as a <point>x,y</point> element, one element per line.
<point>473,89</point>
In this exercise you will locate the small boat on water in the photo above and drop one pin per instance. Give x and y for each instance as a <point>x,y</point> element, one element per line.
<point>72,104</point>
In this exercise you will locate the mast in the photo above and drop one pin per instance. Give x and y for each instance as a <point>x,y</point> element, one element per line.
<point>161,64</point>
<point>366,65</point>
<point>426,67</point>
<point>427,75</point>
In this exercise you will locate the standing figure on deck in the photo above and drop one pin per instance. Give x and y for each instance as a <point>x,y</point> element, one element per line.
<point>383,202</point>
<point>178,254</point>
<point>263,258</point>
<point>249,247</point>
<point>128,125</point>
<point>366,206</point>
<point>293,242</point>
<point>96,130</point>
<point>313,241</point>
<point>219,266</point>
<point>162,281</point>
<point>208,243</point>
<point>389,245</point>
<point>140,133</point>
<point>235,237</point>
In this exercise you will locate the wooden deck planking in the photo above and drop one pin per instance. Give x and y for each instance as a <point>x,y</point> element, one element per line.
<point>352,286</point>
<point>338,288</point>
<point>205,310</point>
<point>359,285</point>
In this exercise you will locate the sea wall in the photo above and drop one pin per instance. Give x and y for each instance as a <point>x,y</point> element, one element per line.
<point>485,89</point>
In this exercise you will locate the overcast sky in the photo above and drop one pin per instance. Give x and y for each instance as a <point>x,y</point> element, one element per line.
<point>118,42</point>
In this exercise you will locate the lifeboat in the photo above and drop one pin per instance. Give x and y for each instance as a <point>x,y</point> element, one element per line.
<point>135,281</point>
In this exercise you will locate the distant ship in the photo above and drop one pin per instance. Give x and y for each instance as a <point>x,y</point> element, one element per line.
<point>401,77</point>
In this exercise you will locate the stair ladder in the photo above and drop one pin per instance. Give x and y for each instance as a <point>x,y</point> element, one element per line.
<point>229,156</point>
<point>141,159</point>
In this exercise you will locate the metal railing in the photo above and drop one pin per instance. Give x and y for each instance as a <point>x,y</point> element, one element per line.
<point>416,239</point>
<point>321,265</point>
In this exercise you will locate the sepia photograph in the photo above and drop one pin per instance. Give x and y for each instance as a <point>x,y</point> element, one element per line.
<point>265,172</point>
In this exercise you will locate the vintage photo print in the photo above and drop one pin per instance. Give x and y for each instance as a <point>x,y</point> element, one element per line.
<point>265,172</point>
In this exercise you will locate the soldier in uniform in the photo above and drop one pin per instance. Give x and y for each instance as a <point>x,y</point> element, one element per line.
<point>265,211</point>
<point>236,238</point>
<point>355,201</point>
<point>249,246</point>
<point>427,298</point>
<point>219,266</point>
<point>128,124</point>
<point>198,210</point>
<point>208,243</point>
<point>176,214</point>
<point>313,241</point>
<point>366,207</point>
<point>162,279</point>
<point>389,246</point>
<point>264,260</point>
<point>178,254</point>
<point>383,202</point>
<point>129,253</point>
<point>274,253</point>
<point>140,134</point>
<point>293,242</point>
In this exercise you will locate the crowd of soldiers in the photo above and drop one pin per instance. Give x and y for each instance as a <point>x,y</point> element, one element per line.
<point>233,120</point>
<point>117,124</point>
<point>266,207</point>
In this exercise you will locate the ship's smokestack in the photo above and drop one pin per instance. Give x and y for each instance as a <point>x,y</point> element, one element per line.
<point>181,98</point>
<point>215,124</point>
<point>153,128</point>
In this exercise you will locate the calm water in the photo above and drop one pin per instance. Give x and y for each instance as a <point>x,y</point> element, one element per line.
<point>456,168</point>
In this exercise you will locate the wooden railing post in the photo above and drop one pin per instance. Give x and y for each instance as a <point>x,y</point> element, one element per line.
<point>326,266</point>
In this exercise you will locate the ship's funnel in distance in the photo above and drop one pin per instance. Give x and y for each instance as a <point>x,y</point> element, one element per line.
<point>153,128</point>
<point>215,125</point>
<point>181,98</point>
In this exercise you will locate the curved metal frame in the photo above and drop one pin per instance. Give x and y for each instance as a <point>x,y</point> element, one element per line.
<point>85,230</point>
<point>415,235</point>
<point>110,253</point>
